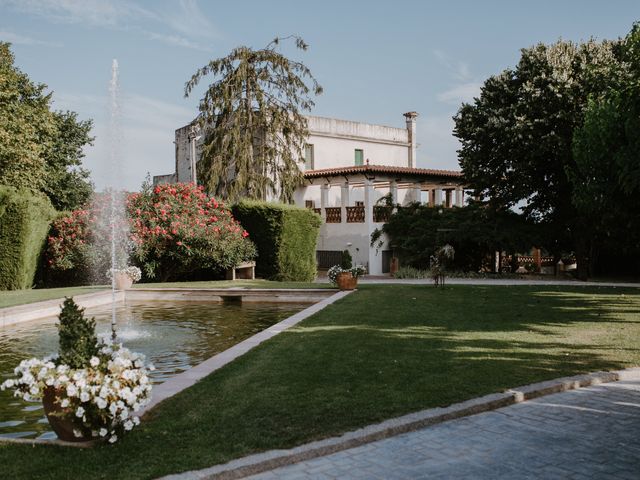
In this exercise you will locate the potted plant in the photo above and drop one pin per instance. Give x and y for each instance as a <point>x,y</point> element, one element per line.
<point>125,277</point>
<point>345,279</point>
<point>92,389</point>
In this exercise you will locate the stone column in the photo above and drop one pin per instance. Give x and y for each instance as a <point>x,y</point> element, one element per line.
<point>448,201</point>
<point>460,197</point>
<point>324,195</point>
<point>344,201</point>
<point>393,190</point>
<point>417,192</point>
<point>192,154</point>
<point>437,202</point>
<point>432,197</point>
<point>374,263</point>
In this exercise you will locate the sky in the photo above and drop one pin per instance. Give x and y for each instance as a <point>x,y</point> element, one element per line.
<point>374,59</point>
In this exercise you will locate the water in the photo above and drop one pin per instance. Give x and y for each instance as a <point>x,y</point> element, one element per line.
<point>174,337</point>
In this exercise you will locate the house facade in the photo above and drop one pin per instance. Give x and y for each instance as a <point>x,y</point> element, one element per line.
<point>348,168</point>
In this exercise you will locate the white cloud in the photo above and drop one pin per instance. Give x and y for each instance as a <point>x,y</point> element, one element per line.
<point>460,93</point>
<point>176,41</point>
<point>437,145</point>
<point>18,39</point>
<point>147,130</point>
<point>187,19</point>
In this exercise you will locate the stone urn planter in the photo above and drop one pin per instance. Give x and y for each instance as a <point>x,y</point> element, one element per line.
<point>346,281</point>
<point>61,419</point>
<point>123,281</point>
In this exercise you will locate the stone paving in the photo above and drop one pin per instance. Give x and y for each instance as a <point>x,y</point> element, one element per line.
<point>589,433</point>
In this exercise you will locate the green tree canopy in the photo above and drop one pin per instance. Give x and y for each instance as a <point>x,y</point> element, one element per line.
<point>517,136</point>
<point>40,149</point>
<point>254,127</point>
<point>606,148</point>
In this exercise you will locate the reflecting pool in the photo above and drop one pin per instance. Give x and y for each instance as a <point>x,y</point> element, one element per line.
<point>173,335</point>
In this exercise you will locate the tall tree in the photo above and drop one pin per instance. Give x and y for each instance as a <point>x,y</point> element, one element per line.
<point>517,136</point>
<point>252,116</point>
<point>606,148</point>
<point>40,149</point>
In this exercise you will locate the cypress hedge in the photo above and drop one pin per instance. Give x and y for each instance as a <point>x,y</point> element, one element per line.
<point>285,237</point>
<point>24,224</point>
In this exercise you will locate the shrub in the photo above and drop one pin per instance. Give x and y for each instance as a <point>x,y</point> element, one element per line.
<point>174,230</point>
<point>177,229</point>
<point>24,223</point>
<point>77,335</point>
<point>285,236</point>
<point>347,261</point>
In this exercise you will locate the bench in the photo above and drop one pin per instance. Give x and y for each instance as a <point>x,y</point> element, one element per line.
<point>244,271</point>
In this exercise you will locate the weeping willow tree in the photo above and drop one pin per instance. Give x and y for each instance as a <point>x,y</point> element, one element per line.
<point>251,115</point>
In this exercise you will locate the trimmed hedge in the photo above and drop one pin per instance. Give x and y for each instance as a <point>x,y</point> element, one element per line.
<point>24,224</point>
<point>285,236</point>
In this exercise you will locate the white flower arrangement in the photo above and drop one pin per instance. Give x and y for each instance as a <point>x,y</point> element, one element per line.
<point>102,397</point>
<point>333,272</point>
<point>133,272</point>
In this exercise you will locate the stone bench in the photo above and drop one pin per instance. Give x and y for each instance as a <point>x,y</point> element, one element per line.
<point>244,271</point>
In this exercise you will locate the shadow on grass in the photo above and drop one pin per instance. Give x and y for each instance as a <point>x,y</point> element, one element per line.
<point>381,352</point>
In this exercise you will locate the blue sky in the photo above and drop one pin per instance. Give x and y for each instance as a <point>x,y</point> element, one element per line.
<point>375,59</point>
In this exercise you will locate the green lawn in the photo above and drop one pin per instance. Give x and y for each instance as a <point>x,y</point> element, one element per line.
<point>381,352</point>
<point>21,297</point>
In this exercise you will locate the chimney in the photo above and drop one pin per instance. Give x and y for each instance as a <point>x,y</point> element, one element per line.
<point>411,129</point>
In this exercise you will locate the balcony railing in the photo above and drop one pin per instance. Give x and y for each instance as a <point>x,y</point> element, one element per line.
<point>355,214</point>
<point>318,211</point>
<point>381,213</point>
<point>334,214</point>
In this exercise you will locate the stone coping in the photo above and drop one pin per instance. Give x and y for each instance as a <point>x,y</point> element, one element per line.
<point>262,462</point>
<point>189,377</point>
<point>50,308</point>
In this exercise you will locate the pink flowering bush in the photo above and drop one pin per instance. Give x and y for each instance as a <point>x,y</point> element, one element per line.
<point>174,230</point>
<point>177,228</point>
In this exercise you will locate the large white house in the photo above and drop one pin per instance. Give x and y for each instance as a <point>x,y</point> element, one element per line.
<point>349,167</point>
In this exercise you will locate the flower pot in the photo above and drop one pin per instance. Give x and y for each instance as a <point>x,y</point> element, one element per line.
<point>122,281</point>
<point>62,420</point>
<point>346,281</point>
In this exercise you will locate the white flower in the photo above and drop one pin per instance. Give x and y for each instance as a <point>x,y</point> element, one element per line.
<point>77,433</point>
<point>128,425</point>
<point>8,384</point>
<point>136,420</point>
<point>64,403</point>
<point>103,432</point>
<point>72,391</point>
<point>101,403</point>
<point>113,438</point>
<point>80,412</point>
<point>84,397</point>
<point>94,362</point>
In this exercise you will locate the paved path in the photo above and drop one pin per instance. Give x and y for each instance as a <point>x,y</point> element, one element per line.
<point>590,433</point>
<point>489,281</point>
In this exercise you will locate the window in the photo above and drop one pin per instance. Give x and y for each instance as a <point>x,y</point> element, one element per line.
<point>359,204</point>
<point>359,157</point>
<point>309,204</point>
<point>308,157</point>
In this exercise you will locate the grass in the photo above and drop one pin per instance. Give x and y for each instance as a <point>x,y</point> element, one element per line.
<point>380,352</point>
<point>21,297</point>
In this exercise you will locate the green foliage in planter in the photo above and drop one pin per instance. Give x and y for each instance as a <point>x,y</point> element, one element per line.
<point>285,237</point>
<point>347,261</point>
<point>77,336</point>
<point>24,223</point>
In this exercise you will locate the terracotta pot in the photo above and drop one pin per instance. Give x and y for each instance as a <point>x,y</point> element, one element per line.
<point>346,281</point>
<point>62,420</point>
<point>123,281</point>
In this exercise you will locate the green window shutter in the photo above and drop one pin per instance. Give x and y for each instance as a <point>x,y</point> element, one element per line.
<point>359,157</point>
<point>308,157</point>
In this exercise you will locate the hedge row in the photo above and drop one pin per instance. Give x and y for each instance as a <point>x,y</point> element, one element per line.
<point>24,224</point>
<point>285,237</point>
